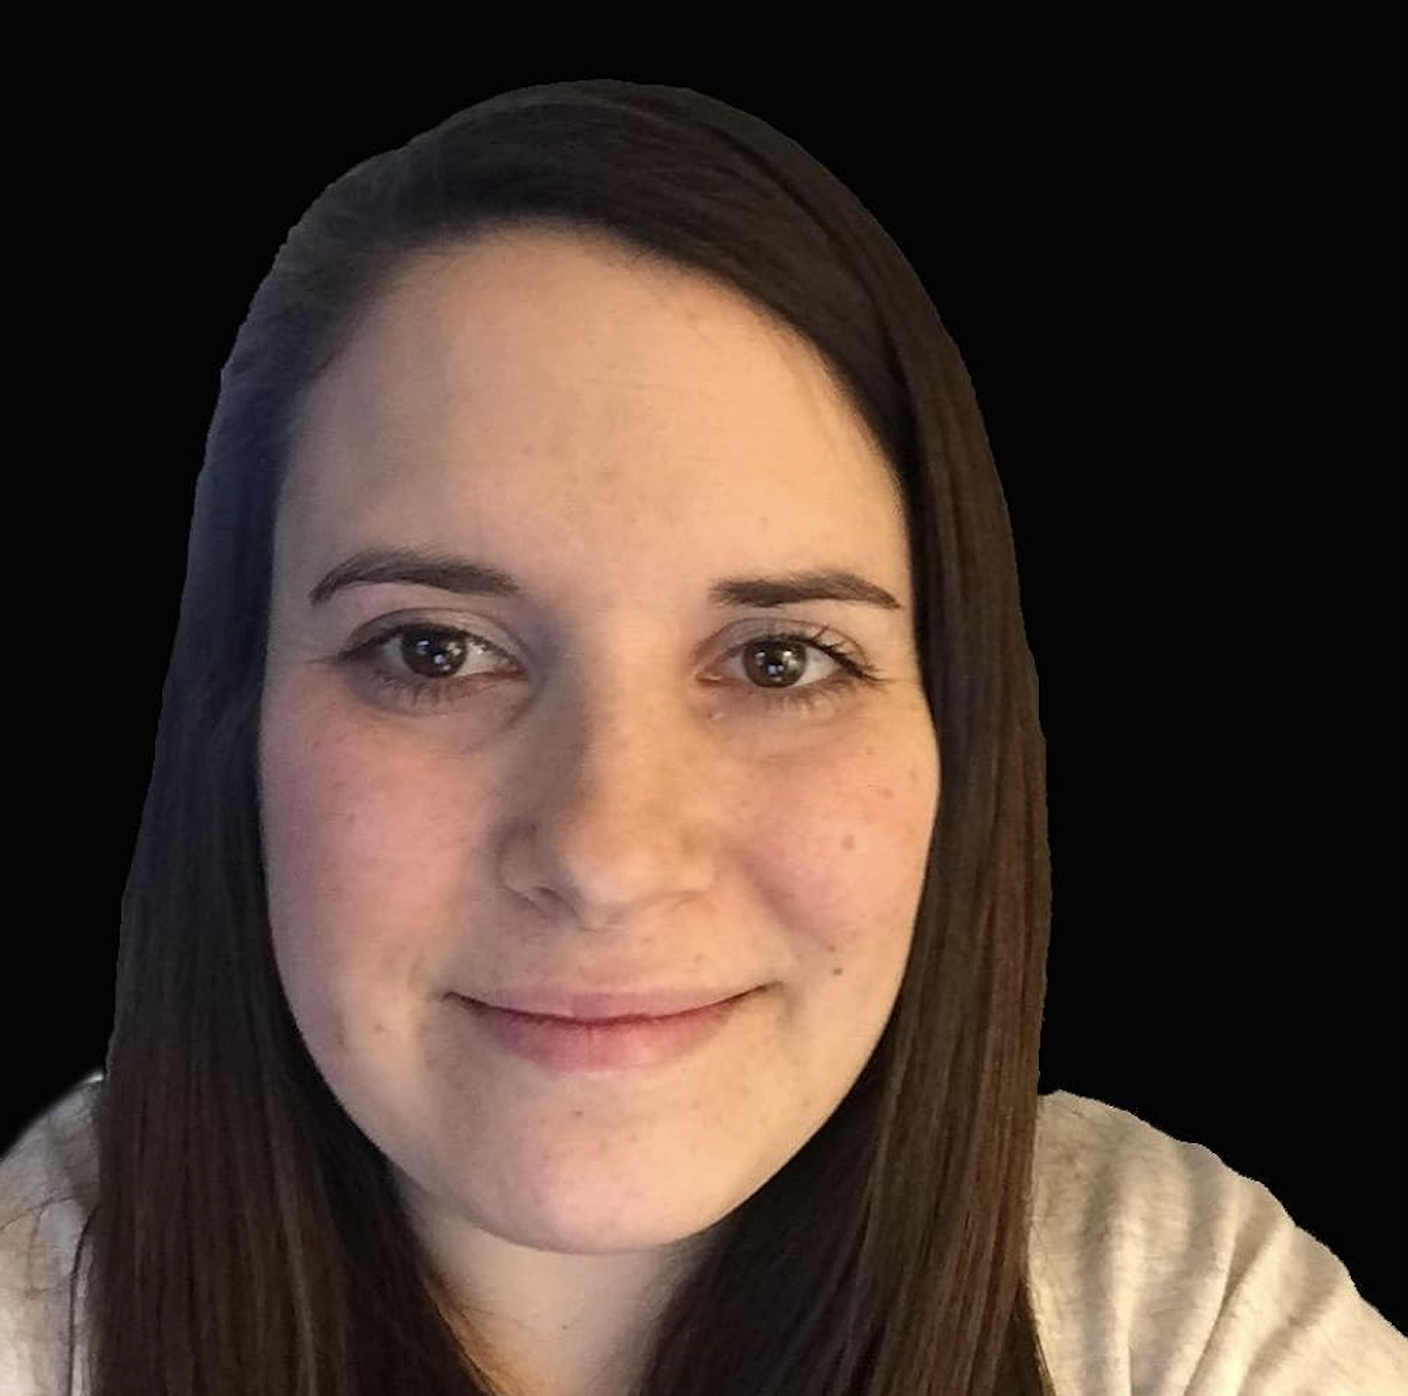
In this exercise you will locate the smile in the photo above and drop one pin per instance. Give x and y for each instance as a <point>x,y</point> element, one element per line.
<point>597,1044</point>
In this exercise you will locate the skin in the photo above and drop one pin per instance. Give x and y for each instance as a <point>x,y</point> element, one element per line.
<point>618,805</point>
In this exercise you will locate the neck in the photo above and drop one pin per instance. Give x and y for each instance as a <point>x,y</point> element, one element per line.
<point>560,1324</point>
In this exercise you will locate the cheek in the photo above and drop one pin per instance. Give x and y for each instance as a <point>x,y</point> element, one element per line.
<point>359,867</point>
<point>369,841</point>
<point>841,869</point>
<point>843,856</point>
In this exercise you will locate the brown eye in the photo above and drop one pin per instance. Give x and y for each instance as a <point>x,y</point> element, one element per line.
<point>422,667</point>
<point>433,654</point>
<point>774,663</point>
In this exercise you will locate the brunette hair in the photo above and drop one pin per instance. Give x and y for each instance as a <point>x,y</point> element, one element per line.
<point>247,1239</point>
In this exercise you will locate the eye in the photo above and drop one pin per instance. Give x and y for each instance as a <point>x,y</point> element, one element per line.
<point>419,665</point>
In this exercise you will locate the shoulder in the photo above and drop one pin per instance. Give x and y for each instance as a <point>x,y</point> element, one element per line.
<point>1158,1269</point>
<point>47,1192</point>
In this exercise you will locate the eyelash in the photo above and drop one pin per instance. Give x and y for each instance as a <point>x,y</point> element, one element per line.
<point>420,692</point>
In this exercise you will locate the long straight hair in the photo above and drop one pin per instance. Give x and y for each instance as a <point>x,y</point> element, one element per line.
<point>247,1239</point>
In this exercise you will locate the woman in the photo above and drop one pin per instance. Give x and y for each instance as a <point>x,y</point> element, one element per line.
<point>588,925</point>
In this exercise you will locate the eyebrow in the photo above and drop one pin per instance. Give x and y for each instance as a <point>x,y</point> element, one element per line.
<point>468,578</point>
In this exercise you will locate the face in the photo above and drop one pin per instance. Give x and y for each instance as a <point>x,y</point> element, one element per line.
<point>605,777</point>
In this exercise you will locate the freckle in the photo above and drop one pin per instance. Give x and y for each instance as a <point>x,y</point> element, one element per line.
<point>886,792</point>
<point>837,971</point>
<point>849,841</point>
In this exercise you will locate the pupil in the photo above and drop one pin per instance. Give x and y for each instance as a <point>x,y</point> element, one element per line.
<point>777,671</point>
<point>441,654</point>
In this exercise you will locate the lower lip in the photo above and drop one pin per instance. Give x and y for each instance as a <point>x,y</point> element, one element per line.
<point>568,1045</point>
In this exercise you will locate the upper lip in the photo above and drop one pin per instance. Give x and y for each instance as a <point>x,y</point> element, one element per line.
<point>585,1007</point>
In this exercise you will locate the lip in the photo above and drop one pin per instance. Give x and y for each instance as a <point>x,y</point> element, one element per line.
<point>585,1006</point>
<point>601,1042</point>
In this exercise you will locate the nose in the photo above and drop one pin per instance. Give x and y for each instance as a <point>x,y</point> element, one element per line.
<point>613,828</point>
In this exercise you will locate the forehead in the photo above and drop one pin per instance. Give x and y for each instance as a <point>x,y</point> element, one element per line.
<point>550,387</point>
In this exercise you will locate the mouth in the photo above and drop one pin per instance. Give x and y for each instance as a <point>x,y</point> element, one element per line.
<point>604,1041</point>
<point>573,1006</point>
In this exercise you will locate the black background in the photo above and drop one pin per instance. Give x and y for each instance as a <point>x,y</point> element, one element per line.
<point>1136,268</point>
